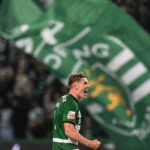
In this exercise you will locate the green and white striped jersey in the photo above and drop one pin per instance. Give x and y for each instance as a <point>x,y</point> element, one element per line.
<point>67,110</point>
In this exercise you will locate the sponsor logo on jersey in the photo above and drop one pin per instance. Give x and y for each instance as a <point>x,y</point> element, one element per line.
<point>71,115</point>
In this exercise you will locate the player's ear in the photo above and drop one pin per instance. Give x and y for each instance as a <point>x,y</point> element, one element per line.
<point>75,85</point>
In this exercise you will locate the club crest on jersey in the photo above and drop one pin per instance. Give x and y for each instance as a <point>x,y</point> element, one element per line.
<point>71,115</point>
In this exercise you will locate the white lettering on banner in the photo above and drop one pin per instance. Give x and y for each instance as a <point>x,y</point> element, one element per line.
<point>26,43</point>
<point>141,91</point>
<point>120,60</point>
<point>79,53</point>
<point>48,33</point>
<point>133,73</point>
<point>60,48</point>
<point>56,59</point>
<point>39,48</point>
<point>102,48</point>
<point>48,36</point>
<point>24,28</point>
<point>17,31</point>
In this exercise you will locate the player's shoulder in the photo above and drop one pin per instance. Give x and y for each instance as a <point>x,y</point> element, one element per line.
<point>63,98</point>
<point>67,98</point>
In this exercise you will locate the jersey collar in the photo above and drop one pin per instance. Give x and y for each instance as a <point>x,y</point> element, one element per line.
<point>73,98</point>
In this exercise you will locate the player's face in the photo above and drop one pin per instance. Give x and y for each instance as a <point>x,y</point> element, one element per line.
<point>83,87</point>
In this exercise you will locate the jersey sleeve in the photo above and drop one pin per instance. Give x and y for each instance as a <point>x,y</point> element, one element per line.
<point>70,112</point>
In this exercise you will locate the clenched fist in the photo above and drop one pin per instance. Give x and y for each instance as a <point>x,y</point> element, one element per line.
<point>95,144</point>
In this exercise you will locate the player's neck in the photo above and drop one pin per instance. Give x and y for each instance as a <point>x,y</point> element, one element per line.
<point>74,93</point>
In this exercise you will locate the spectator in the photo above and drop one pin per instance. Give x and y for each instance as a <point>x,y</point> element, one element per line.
<point>6,129</point>
<point>22,82</point>
<point>20,112</point>
<point>36,121</point>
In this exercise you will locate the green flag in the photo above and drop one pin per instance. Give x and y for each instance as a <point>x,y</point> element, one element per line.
<point>95,37</point>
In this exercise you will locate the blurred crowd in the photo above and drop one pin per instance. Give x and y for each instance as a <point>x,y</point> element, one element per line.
<point>138,9</point>
<point>28,93</point>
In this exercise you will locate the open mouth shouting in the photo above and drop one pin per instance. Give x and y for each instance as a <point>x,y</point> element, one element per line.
<point>86,91</point>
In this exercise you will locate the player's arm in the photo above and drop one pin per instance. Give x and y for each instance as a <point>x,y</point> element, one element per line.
<point>72,133</point>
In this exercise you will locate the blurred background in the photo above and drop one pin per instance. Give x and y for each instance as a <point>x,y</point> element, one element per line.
<point>29,92</point>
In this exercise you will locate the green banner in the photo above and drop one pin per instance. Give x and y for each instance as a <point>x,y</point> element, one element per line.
<point>95,37</point>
